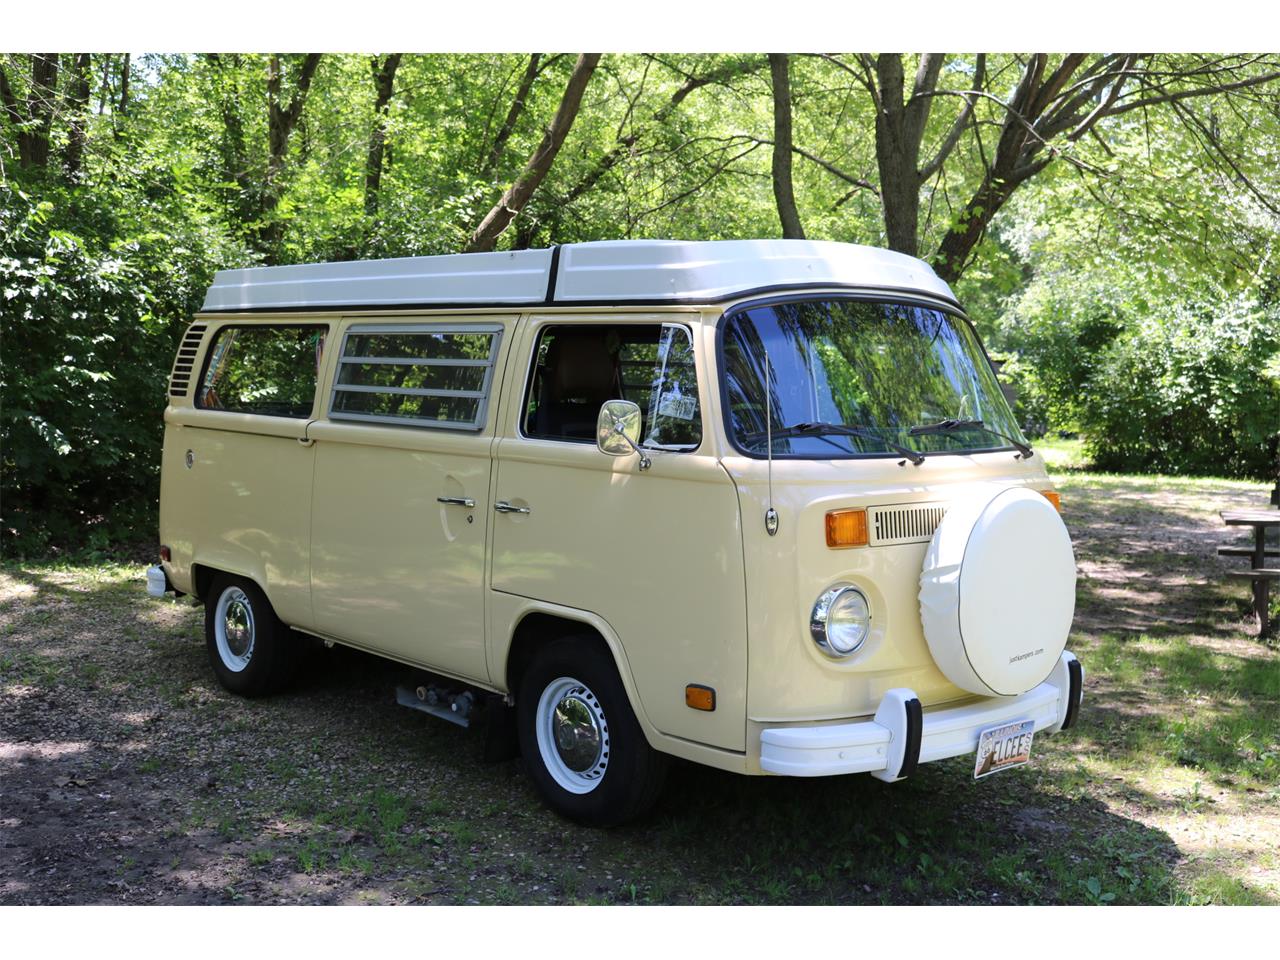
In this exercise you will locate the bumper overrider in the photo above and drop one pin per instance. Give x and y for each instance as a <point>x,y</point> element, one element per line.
<point>902,735</point>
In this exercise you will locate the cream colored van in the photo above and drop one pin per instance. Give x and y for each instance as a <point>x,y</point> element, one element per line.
<point>756,504</point>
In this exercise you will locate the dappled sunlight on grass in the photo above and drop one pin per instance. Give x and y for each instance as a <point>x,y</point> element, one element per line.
<point>1167,791</point>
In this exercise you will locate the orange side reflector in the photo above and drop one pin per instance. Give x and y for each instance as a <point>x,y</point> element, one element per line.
<point>1053,498</point>
<point>699,697</point>
<point>847,528</point>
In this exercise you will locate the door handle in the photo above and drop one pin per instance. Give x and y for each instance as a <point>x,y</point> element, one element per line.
<point>502,506</point>
<point>458,501</point>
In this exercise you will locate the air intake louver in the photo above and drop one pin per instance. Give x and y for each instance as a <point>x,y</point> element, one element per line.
<point>907,523</point>
<point>180,380</point>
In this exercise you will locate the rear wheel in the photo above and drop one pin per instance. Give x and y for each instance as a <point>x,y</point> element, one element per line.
<point>582,745</point>
<point>249,648</point>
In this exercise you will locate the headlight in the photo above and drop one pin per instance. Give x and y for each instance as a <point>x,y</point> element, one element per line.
<point>840,621</point>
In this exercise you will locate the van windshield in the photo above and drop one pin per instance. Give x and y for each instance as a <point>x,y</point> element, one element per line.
<point>879,368</point>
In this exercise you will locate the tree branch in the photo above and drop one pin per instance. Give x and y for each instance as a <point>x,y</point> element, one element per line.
<point>1188,94</point>
<point>624,144</point>
<point>531,72</point>
<point>952,138</point>
<point>539,164</point>
<point>831,168</point>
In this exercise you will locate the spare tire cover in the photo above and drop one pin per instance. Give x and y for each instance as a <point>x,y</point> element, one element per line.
<point>998,591</point>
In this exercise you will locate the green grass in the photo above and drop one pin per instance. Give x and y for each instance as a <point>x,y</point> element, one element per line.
<point>1061,455</point>
<point>1178,742</point>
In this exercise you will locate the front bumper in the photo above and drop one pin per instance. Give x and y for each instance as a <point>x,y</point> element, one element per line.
<point>902,735</point>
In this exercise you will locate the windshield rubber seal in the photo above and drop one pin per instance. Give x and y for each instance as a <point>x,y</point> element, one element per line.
<point>877,297</point>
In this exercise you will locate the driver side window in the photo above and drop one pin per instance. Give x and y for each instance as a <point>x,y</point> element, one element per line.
<point>578,367</point>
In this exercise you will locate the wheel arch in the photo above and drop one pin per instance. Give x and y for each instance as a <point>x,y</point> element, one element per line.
<point>535,624</point>
<point>204,572</point>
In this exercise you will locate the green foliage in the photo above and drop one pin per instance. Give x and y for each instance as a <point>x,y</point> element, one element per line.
<point>95,287</point>
<point>1110,279</point>
<point>1197,391</point>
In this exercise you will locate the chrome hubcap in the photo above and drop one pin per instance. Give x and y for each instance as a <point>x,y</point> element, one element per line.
<point>577,733</point>
<point>573,735</point>
<point>234,629</point>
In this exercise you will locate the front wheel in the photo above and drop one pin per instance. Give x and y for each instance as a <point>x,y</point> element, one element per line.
<point>583,747</point>
<point>249,648</point>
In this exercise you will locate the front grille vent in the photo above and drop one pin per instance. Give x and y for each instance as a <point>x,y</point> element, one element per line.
<point>180,379</point>
<point>904,523</point>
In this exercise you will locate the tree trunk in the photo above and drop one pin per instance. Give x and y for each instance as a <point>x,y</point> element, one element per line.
<point>513,115</point>
<point>77,111</point>
<point>41,106</point>
<point>124,87</point>
<point>13,112</point>
<point>231,147</point>
<point>899,182</point>
<point>783,192</point>
<point>539,164</point>
<point>954,251</point>
<point>281,122</point>
<point>384,76</point>
<point>104,87</point>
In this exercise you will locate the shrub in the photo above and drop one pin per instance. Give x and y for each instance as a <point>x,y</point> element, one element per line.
<point>95,288</point>
<point>1194,391</point>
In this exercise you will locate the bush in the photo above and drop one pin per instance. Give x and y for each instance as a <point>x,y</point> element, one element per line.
<point>92,302</point>
<point>1054,337</point>
<point>1196,391</point>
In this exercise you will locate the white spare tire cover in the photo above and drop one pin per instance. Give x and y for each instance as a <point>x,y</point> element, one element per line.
<point>998,591</point>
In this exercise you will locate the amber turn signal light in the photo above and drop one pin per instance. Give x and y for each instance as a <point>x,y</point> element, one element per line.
<point>847,528</point>
<point>699,697</point>
<point>1053,498</point>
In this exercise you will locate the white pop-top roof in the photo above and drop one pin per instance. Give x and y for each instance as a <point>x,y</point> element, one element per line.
<point>608,271</point>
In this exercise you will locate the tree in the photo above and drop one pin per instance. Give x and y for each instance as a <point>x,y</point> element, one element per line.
<point>282,119</point>
<point>77,112</point>
<point>384,76</point>
<point>517,195</point>
<point>784,194</point>
<point>1055,103</point>
<point>534,67</point>
<point>32,116</point>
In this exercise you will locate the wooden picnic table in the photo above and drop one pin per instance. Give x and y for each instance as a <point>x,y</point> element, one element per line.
<point>1259,573</point>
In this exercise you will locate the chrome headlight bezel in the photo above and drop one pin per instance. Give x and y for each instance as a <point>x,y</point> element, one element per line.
<point>820,620</point>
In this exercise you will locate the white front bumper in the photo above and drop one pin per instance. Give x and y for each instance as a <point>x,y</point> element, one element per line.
<point>876,746</point>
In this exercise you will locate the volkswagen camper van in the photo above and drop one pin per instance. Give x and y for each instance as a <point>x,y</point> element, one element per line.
<point>755,504</point>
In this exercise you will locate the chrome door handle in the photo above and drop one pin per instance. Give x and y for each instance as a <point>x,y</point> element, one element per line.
<point>458,501</point>
<point>502,506</point>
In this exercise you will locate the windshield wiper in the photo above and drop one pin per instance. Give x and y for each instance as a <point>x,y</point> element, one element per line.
<point>953,426</point>
<point>838,429</point>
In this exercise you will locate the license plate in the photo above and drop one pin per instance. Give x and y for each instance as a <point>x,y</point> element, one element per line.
<point>1008,745</point>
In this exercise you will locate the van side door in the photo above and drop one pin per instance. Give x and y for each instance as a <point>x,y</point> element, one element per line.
<point>655,554</point>
<point>401,503</point>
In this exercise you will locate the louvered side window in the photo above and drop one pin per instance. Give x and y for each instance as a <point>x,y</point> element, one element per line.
<point>180,379</point>
<point>424,375</point>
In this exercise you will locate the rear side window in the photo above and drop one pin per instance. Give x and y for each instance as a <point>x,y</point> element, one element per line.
<point>578,367</point>
<point>428,375</point>
<point>268,370</point>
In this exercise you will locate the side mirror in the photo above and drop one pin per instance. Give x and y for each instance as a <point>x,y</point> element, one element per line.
<point>618,430</point>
